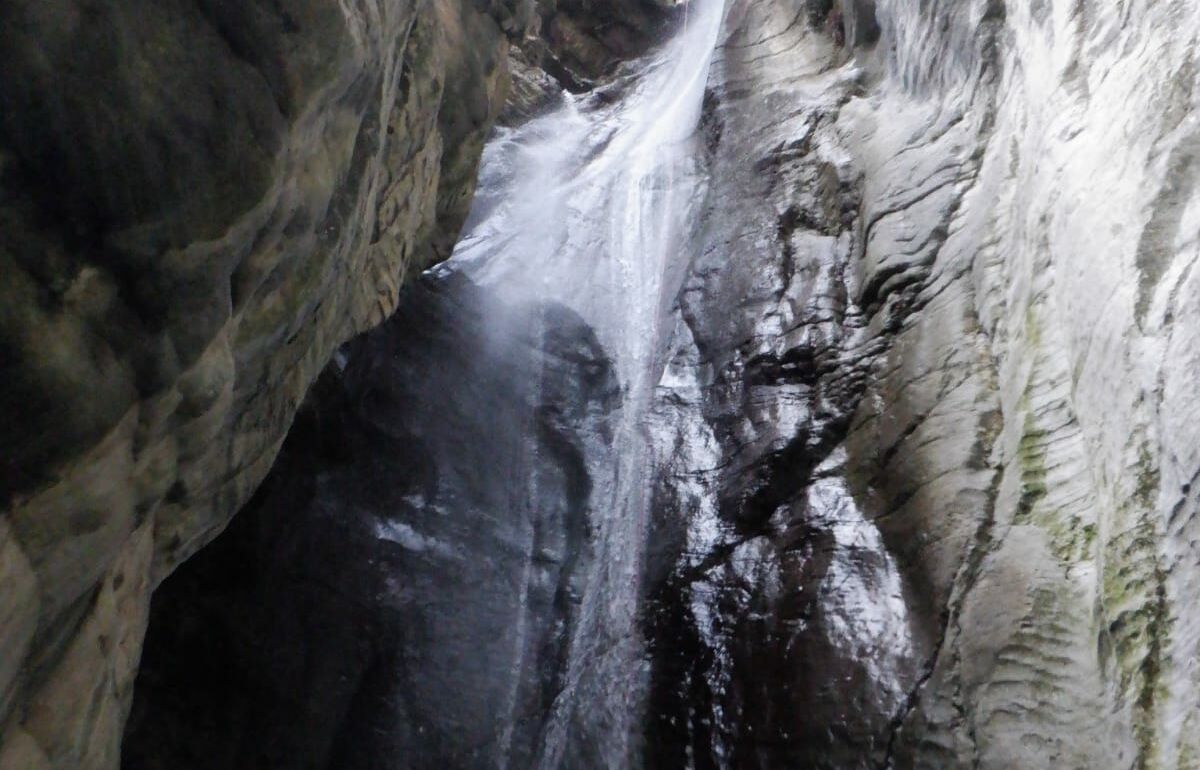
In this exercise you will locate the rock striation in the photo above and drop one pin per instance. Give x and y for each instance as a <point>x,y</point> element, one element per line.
<point>928,463</point>
<point>427,546</point>
<point>200,201</point>
<point>924,467</point>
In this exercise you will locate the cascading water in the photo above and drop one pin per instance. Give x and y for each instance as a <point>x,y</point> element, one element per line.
<point>592,207</point>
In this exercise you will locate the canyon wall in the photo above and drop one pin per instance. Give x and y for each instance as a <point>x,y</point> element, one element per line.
<point>923,457</point>
<point>201,202</point>
<point>927,433</point>
<point>923,467</point>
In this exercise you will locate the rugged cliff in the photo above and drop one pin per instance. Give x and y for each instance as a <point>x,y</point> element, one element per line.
<point>418,562</point>
<point>923,456</point>
<point>201,201</point>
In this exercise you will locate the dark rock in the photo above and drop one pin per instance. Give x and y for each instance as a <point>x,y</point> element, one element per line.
<point>390,599</point>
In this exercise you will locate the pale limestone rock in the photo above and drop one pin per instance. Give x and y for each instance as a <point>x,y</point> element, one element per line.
<point>1019,345</point>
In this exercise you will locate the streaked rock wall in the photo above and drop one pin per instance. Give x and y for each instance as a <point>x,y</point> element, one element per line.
<point>960,306</point>
<point>201,201</point>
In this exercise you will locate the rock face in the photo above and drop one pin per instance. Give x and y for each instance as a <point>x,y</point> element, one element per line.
<point>579,46</point>
<point>927,450</point>
<point>385,563</point>
<point>921,455</point>
<point>200,201</point>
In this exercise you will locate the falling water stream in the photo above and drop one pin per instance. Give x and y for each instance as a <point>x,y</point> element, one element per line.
<point>592,207</point>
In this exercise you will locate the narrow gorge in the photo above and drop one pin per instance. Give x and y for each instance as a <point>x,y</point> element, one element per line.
<point>579,385</point>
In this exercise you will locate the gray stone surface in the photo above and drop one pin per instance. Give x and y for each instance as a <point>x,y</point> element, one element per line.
<point>986,352</point>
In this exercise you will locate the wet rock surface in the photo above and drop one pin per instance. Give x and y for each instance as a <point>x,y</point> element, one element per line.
<point>200,202</point>
<point>482,502</point>
<point>779,619</point>
<point>415,611</point>
<point>924,491</point>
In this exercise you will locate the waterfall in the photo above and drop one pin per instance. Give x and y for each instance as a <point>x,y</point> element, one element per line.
<point>592,207</point>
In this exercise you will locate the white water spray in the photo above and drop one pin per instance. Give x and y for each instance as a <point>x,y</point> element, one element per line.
<point>592,207</point>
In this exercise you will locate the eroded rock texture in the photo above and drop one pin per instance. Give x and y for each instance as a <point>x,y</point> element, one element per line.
<point>426,561</point>
<point>200,202</point>
<point>927,437</point>
<point>580,44</point>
